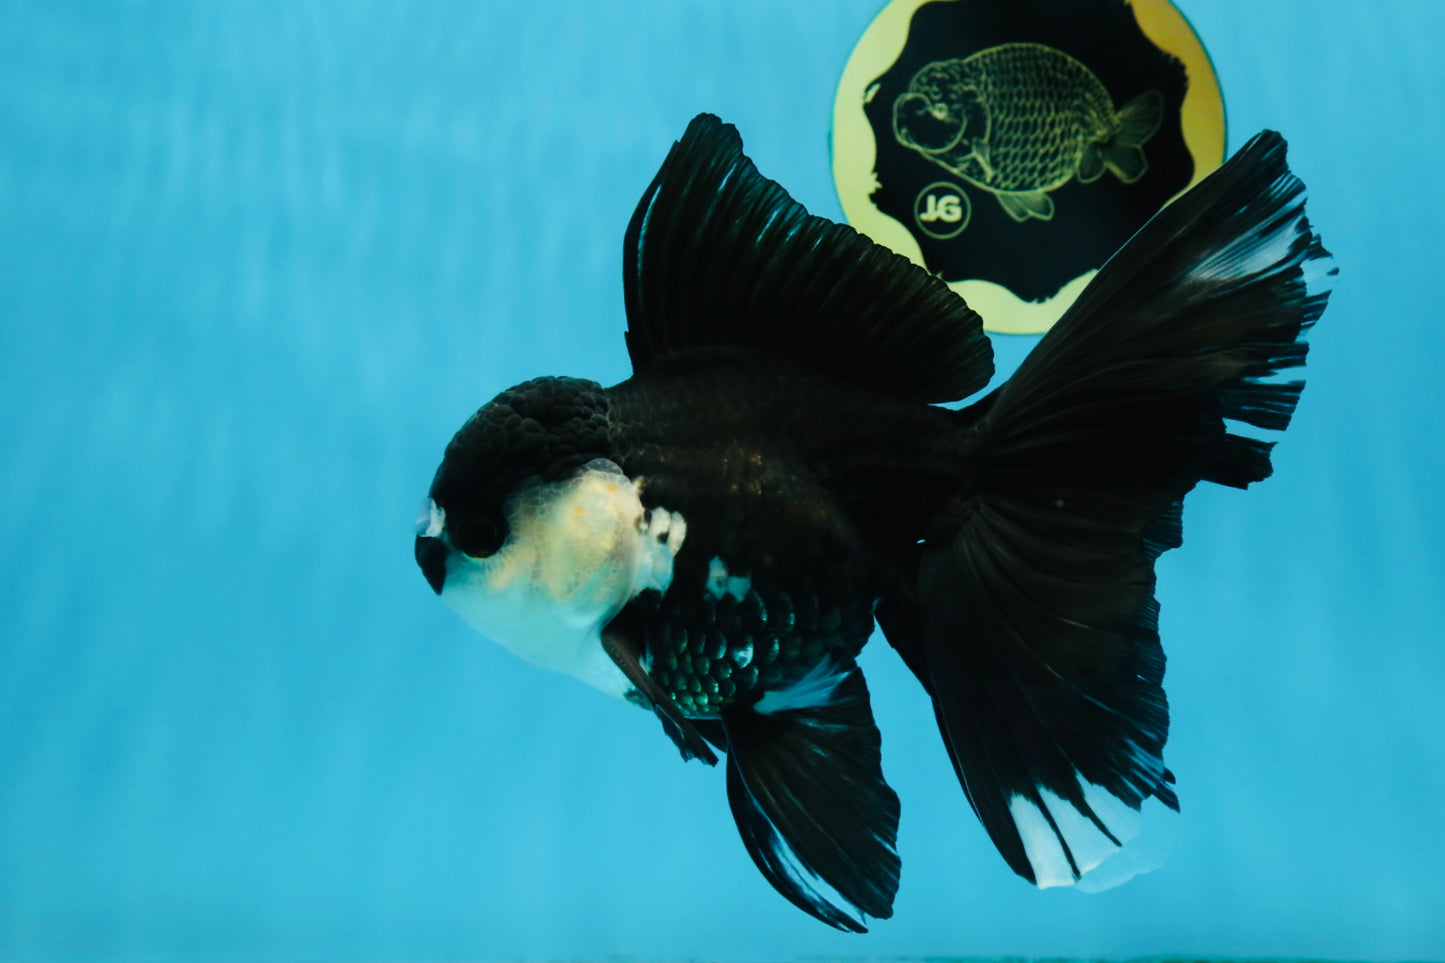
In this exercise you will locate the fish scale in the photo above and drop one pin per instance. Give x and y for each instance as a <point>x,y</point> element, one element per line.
<point>710,653</point>
<point>749,448</point>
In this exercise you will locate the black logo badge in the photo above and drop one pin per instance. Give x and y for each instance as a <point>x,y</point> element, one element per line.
<point>1016,145</point>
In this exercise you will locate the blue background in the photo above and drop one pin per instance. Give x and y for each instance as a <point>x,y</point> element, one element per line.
<point>259,259</point>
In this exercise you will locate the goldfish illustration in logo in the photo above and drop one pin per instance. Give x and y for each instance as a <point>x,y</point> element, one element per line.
<point>1022,119</point>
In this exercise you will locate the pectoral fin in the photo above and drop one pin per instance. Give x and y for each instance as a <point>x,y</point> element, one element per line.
<point>806,788</point>
<point>1021,207</point>
<point>624,651</point>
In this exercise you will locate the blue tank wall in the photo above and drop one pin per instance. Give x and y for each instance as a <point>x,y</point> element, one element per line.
<point>259,259</point>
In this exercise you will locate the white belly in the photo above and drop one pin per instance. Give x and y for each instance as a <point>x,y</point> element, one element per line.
<point>576,553</point>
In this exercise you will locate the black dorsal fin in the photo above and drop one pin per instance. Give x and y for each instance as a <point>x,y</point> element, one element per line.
<point>718,256</point>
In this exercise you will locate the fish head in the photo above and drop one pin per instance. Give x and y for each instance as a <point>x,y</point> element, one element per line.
<point>533,534</point>
<point>535,434</point>
<point>939,116</point>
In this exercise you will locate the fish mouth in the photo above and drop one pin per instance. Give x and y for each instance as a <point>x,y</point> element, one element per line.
<point>431,555</point>
<point>920,123</point>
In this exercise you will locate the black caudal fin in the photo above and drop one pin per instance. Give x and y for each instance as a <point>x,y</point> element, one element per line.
<point>1035,626</point>
<point>806,788</point>
<point>1138,120</point>
<point>718,256</point>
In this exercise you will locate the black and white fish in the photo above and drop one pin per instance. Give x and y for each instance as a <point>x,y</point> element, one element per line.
<point>714,538</point>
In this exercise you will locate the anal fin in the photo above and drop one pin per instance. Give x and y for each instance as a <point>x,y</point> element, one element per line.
<point>1091,164</point>
<point>807,791</point>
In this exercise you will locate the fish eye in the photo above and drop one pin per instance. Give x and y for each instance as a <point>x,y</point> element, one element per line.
<point>926,123</point>
<point>478,535</point>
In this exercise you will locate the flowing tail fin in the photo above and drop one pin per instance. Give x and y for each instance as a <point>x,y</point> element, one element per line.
<point>1123,152</point>
<point>1033,622</point>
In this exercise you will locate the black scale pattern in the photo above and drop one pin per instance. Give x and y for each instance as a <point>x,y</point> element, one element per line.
<point>743,463</point>
<point>708,653</point>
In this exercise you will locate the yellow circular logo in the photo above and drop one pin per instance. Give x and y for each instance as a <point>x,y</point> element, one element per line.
<point>942,210</point>
<point>1011,146</point>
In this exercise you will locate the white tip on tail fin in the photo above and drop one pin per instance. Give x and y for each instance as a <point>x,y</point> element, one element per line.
<point>1144,838</point>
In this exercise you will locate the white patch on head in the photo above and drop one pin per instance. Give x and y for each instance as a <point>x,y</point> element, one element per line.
<point>720,583</point>
<point>576,553</point>
<point>1144,836</point>
<point>812,691</point>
